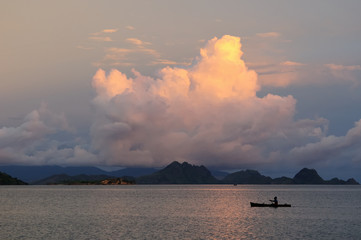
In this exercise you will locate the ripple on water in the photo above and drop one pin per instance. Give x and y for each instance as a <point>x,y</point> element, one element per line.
<point>178,212</point>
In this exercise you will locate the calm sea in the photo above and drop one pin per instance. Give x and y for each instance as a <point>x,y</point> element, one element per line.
<point>179,212</point>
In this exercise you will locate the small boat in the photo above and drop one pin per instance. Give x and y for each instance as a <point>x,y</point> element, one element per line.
<point>269,205</point>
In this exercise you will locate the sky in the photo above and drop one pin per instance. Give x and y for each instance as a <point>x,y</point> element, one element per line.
<point>266,85</point>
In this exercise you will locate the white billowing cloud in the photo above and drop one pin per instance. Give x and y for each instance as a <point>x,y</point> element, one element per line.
<point>31,130</point>
<point>208,113</point>
<point>31,142</point>
<point>52,155</point>
<point>37,124</point>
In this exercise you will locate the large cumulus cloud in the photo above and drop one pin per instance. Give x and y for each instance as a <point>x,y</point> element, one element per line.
<point>208,113</point>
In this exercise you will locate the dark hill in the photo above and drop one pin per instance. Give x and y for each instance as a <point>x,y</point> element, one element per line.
<point>6,179</point>
<point>174,173</point>
<point>283,180</point>
<point>177,173</point>
<point>352,181</point>
<point>308,176</point>
<point>34,173</point>
<point>336,181</point>
<point>66,179</point>
<point>247,177</point>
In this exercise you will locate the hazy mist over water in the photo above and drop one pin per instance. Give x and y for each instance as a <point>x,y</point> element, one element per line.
<point>179,212</point>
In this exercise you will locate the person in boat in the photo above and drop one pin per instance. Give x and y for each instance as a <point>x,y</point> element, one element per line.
<point>275,201</point>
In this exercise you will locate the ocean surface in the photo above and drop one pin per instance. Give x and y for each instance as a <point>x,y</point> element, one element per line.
<point>179,212</point>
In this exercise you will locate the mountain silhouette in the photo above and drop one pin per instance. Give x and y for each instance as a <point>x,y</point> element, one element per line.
<point>308,176</point>
<point>177,173</point>
<point>247,177</point>
<point>174,173</point>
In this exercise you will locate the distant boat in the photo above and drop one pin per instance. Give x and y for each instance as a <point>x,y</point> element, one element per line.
<point>269,205</point>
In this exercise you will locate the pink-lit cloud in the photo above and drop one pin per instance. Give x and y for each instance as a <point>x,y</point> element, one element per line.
<point>110,30</point>
<point>207,113</point>
<point>103,35</point>
<point>139,43</point>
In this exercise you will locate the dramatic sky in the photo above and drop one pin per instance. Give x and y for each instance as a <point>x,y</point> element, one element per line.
<point>268,85</point>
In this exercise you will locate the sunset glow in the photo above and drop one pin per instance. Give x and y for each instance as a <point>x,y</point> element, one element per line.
<point>227,85</point>
<point>206,111</point>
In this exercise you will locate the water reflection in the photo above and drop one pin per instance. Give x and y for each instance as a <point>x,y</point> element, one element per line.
<point>177,212</point>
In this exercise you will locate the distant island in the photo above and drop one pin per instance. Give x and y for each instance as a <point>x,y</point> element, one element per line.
<point>175,173</point>
<point>83,179</point>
